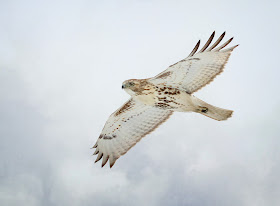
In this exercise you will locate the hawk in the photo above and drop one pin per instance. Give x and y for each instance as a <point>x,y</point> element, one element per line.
<point>153,100</point>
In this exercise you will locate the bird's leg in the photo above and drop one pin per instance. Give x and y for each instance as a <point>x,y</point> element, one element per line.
<point>202,109</point>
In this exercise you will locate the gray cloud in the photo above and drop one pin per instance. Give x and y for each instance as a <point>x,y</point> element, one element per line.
<point>61,67</point>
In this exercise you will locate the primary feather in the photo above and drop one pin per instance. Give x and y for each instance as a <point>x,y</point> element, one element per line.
<point>197,70</point>
<point>125,127</point>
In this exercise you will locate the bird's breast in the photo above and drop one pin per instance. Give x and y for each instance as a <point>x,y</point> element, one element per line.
<point>147,96</point>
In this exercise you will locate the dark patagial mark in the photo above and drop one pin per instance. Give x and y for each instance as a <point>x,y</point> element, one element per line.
<point>183,60</point>
<point>107,136</point>
<point>164,75</point>
<point>124,108</point>
<point>194,59</point>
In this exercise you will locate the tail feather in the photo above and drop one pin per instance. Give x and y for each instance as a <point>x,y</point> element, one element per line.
<point>212,111</point>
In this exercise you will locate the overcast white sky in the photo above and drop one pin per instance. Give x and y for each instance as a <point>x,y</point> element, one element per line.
<point>61,68</point>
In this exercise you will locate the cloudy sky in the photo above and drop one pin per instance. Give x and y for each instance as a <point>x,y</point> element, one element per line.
<point>61,68</point>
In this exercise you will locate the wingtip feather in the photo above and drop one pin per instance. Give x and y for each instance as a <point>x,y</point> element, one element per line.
<point>96,152</point>
<point>104,161</point>
<point>224,45</point>
<point>98,157</point>
<point>194,49</point>
<point>230,49</point>
<point>208,42</point>
<point>94,146</point>
<point>217,42</point>
<point>112,161</point>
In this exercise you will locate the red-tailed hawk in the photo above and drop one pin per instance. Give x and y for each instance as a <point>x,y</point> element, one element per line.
<point>153,100</point>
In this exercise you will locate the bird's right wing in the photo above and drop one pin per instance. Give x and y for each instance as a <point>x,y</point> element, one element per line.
<point>198,69</point>
<point>125,127</point>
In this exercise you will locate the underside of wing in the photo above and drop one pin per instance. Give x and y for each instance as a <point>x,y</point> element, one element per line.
<point>198,69</point>
<point>125,127</point>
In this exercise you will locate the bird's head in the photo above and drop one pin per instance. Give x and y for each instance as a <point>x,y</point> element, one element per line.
<point>131,86</point>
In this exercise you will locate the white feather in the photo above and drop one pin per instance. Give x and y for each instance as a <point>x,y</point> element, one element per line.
<point>124,129</point>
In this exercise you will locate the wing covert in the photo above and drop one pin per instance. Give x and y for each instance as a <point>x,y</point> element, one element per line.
<point>125,127</point>
<point>198,69</point>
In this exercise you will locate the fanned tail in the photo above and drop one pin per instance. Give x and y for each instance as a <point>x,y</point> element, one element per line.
<point>211,111</point>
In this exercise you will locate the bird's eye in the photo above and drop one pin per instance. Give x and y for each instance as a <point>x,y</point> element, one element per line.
<point>131,84</point>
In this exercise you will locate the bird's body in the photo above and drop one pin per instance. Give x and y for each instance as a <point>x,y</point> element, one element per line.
<point>168,98</point>
<point>163,97</point>
<point>153,100</point>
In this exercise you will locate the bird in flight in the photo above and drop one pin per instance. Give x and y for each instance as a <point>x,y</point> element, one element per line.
<point>153,100</point>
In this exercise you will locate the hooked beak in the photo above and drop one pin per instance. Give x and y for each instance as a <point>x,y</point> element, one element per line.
<point>122,86</point>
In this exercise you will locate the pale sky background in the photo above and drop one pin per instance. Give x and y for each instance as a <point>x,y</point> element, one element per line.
<point>62,64</point>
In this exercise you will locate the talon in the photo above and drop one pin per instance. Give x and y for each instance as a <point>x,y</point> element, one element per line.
<point>204,109</point>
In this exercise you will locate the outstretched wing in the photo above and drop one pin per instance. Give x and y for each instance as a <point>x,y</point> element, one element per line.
<point>125,127</point>
<point>198,69</point>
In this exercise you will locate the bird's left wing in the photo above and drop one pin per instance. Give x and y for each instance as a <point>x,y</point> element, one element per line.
<point>125,127</point>
<point>198,69</point>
